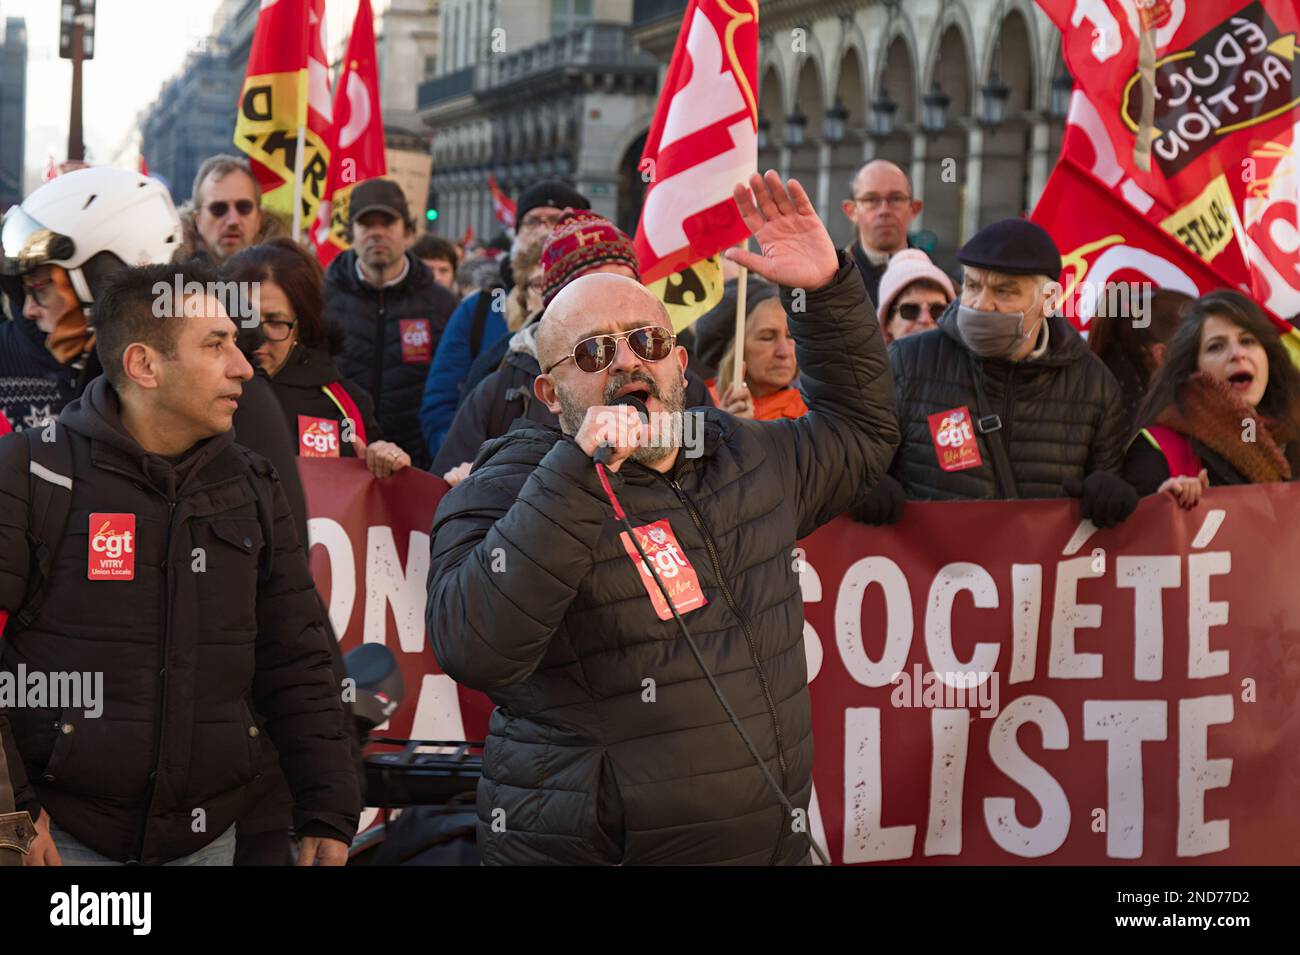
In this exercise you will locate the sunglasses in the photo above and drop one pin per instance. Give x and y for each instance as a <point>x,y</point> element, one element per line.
<point>911,311</point>
<point>651,343</point>
<point>219,208</point>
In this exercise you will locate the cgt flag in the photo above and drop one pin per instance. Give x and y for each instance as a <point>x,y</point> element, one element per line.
<point>285,95</point>
<point>702,142</point>
<point>356,140</point>
<point>1221,117</point>
<point>502,205</point>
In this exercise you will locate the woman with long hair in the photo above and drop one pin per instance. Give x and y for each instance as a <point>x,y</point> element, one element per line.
<point>330,416</point>
<point>1224,407</point>
<point>1133,346</point>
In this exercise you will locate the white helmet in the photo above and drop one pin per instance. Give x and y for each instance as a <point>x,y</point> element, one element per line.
<point>91,222</point>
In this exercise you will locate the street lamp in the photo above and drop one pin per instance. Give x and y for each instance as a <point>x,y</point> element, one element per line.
<point>835,120</point>
<point>934,111</point>
<point>1062,91</point>
<point>883,110</point>
<point>993,101</point>
<point>795,124</point>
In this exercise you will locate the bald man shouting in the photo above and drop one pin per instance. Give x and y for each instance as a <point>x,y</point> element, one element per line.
<point>607,745</point>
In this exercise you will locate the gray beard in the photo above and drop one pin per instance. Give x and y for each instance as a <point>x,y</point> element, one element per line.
<point>572,415</point>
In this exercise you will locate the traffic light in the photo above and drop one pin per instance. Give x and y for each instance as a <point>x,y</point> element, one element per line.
<point>431,215</point>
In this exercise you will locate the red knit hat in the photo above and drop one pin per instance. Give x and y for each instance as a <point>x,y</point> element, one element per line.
<point>579,242</point>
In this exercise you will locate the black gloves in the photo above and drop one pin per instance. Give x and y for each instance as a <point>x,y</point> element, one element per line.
<point>1105,498</point>
<point>882,505</point>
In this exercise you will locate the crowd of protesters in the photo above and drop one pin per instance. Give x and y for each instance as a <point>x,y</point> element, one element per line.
<point>413,352</point>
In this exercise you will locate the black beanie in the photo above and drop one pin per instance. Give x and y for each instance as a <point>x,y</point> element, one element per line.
<point>1012,246</point>
<point>549,192</point>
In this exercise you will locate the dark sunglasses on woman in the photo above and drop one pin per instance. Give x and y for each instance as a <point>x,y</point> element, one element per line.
<point>911,311</point>
<point>651,343</point>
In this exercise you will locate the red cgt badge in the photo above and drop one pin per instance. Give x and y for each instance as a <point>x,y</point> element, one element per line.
<point>111,555</point>
<point>317,437</point>
<point>954,440</point>
<point>661,547</point>
<point>417,341</point>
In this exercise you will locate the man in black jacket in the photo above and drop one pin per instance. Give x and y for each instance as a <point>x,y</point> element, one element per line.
<point>1003,400</point>
<point>391,311</point>
<point>607,745</point>
<point>180,579</point>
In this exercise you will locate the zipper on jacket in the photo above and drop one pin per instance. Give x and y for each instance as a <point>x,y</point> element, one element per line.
<point>377,367</point>
<point>162,685</point>
<point>753,650</point>
<point>1008,403</point>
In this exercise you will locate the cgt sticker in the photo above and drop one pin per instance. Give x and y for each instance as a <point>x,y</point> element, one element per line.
<point>417,341</point>
<point>954,440</point>
<point>679,577</point>
<point>111,555</point>
<point>317,437</point>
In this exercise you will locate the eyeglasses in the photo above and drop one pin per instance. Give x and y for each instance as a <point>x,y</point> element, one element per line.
<point>896,200</point>
<point>651,343</point>
<point>531,221</point>
<point>277,331</point>
<point>219,208</point>
<point>911,311</point>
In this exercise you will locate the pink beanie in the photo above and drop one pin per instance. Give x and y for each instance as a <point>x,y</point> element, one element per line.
<point>904,269</point>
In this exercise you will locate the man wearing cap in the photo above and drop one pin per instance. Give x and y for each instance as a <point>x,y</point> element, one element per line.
<point>390,309</point>
<point>1004,400</point>
<point>480,319</point>
<point>581,243</point>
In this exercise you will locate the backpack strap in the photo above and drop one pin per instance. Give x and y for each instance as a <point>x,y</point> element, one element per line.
<point>49,503</point>
<point>1177,449</point>
<point>991,426</point>
<point>336,393</point>
<point>479,323</point>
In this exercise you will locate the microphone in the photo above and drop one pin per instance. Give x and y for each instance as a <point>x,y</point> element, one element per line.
<point>606,451</point>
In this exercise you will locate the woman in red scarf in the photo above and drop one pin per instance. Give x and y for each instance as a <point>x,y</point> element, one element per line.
<point>1223,409</point>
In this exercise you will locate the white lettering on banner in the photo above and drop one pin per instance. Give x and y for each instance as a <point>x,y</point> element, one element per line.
<point>1148,577</point>
<point>1197,773</point>
<point>1027,608</point>
<point>898,615</point>
<point>1030,842</point>
<point>864,839</point>
<point>437,714</point>
<point>950,730</point>
<point>387,585</point>
<point>1068,615</point>
<point>343,572</point>
<point>1204,613</point>
<point>951,580</point>
<point>1105,28</point>
<point>710,96</point>
<point>1124,725</point>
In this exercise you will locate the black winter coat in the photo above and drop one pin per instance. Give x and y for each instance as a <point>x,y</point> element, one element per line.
<point>298,386</point>
<point>34,385</point>
<point>533,600</point>
<point>372,357</point>
<point>1062,414</point>
<point>506,395</point>
<point>196,665</point>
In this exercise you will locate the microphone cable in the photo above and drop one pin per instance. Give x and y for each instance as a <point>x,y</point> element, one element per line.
<point>699,659</point>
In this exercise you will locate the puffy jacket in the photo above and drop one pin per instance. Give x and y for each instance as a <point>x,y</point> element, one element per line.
<point>507,394</point>
<point>578,769</point>
<point>451,364</point>
<point>196,665</point>
<point>1062,413</point>
<point>299,387</point>
<point>372,356</point>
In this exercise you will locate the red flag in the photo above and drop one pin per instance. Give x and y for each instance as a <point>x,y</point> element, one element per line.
<point>286,89</point>
<point>502,205</point>
<point>356,146</point>
<point>144,165</point>
<point>1222,167</point>
<point>703,141</point>
<point>468,237</point>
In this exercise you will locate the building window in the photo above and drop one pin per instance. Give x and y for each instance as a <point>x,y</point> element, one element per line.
<point>568,15</point>
<point>430,67</point>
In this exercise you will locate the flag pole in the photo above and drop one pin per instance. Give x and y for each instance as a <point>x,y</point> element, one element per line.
<point>742,288</point>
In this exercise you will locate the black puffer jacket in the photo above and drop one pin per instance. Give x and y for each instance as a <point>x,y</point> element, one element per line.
<point>533,599</point>
<point>1062,414</point>
<point>507,394</point>
<point>371,320</point>
<point>196,665</point>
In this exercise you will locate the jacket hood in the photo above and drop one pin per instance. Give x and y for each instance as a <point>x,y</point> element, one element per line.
<point>1064,346</point>
<point>97,415</point>
<point>308,368</point>
<point>342,273</point>
<point>525,340</point>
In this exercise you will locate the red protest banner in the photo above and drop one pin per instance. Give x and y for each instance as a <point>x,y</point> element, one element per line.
<point>1029,690</point>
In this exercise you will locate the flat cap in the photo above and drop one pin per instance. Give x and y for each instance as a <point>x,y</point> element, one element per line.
<point>1013,246</point>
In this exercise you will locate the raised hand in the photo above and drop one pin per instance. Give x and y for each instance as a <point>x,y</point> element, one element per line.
<point>796,250</point>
